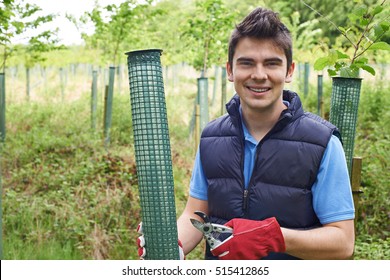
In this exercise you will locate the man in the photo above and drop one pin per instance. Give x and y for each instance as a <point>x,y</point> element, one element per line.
<point>273,173</point>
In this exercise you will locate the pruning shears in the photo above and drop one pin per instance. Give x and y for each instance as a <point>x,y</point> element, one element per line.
<point>210,231</point>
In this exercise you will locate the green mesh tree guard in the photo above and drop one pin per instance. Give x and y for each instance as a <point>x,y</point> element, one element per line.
<point>203,101</point>
<point>94,100</point>
<point>215,84</point>
<point>223,91</point>
<point>1,204</point>
<point>28,83</point>
<point>2,138</point>
<point>306,79</point>
<point>2,107</point>
<point>319,94</point>
<point>153,154</point>
<point>108,106</point>
<point>62,83</point>
<point>344,111</point>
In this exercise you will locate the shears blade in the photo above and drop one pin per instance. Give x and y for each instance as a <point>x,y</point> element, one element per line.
<point>211,232</point>
<point>197,224</point>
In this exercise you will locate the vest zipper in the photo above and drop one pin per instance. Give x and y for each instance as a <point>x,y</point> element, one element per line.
<point>245,202</point>
<point>245,193</point>
<point>246,190</point>
<point>245,197</point>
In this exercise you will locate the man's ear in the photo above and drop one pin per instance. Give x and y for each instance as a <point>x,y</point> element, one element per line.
<point>229,72</point>
<point>290,73</point>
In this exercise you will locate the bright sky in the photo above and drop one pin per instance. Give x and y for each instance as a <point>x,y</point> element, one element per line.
<point>68,33</point>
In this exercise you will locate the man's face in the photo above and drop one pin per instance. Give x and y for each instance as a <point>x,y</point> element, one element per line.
<point>259,73</point>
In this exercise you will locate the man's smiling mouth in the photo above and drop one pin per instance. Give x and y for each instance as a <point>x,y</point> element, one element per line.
<point>259,90</point>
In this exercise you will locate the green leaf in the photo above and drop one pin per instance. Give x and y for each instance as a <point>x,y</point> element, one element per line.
<point>378,30</point>
<point>321,63</point>
<point>385,25</point>
<point>19,26</point>
<point>338,65</point>
<point>353,17</point>
<point>341,55</point>
<point>342,29</point>
<point>349,72</point>
<point>361,61</point>
<point>359,10</point>
<point>364,21</point>
<point>380,46</point>
<point>368,68</point>
<point>377,10</point>
<point>332,72</point>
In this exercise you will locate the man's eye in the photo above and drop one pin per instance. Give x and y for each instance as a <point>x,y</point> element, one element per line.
<point>245,63</point>
<point>273,63</point>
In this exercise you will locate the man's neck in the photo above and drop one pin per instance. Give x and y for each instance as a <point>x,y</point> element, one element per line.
<point>259,123</point>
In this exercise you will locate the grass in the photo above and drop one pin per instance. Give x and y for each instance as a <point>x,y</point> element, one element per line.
<point>67,196</point>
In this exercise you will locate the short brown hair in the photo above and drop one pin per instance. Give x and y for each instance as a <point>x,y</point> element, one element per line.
<point>262,24</point>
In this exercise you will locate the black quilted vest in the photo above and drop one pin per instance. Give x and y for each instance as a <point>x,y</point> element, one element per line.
<point>286,167</point>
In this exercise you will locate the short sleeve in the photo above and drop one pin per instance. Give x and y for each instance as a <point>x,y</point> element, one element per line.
<point>332,194</point>
<point>198,183</point>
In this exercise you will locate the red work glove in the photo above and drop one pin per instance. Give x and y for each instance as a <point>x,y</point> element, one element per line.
<point>251,240</point>
<point>142,249</point>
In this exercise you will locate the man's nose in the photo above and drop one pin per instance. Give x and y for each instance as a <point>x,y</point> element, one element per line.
<point>259,73</point>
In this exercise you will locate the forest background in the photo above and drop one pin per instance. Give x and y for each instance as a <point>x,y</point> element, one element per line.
<point>68,195</point>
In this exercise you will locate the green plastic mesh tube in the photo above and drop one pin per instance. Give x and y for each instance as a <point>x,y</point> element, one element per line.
<point>153,154</point>
<point>2,107</point>
<point>203,101</point>
<point>344,112</point>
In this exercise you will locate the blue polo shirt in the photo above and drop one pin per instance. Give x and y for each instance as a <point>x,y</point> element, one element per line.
<point>332,196</point>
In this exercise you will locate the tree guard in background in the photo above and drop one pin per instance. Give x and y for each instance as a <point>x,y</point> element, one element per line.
<point>223,91</point>
<point>153,154</point>
<point>320,101</point>
<point>109,97</point>
<point>306,79</point>
<point>344,112</point>
<point>2,139</point>
<point>203,101</point>
<point>93,100</point>
<point>2,107</point>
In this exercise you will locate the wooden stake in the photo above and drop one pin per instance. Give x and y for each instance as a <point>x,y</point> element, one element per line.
<point>356,183</point>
